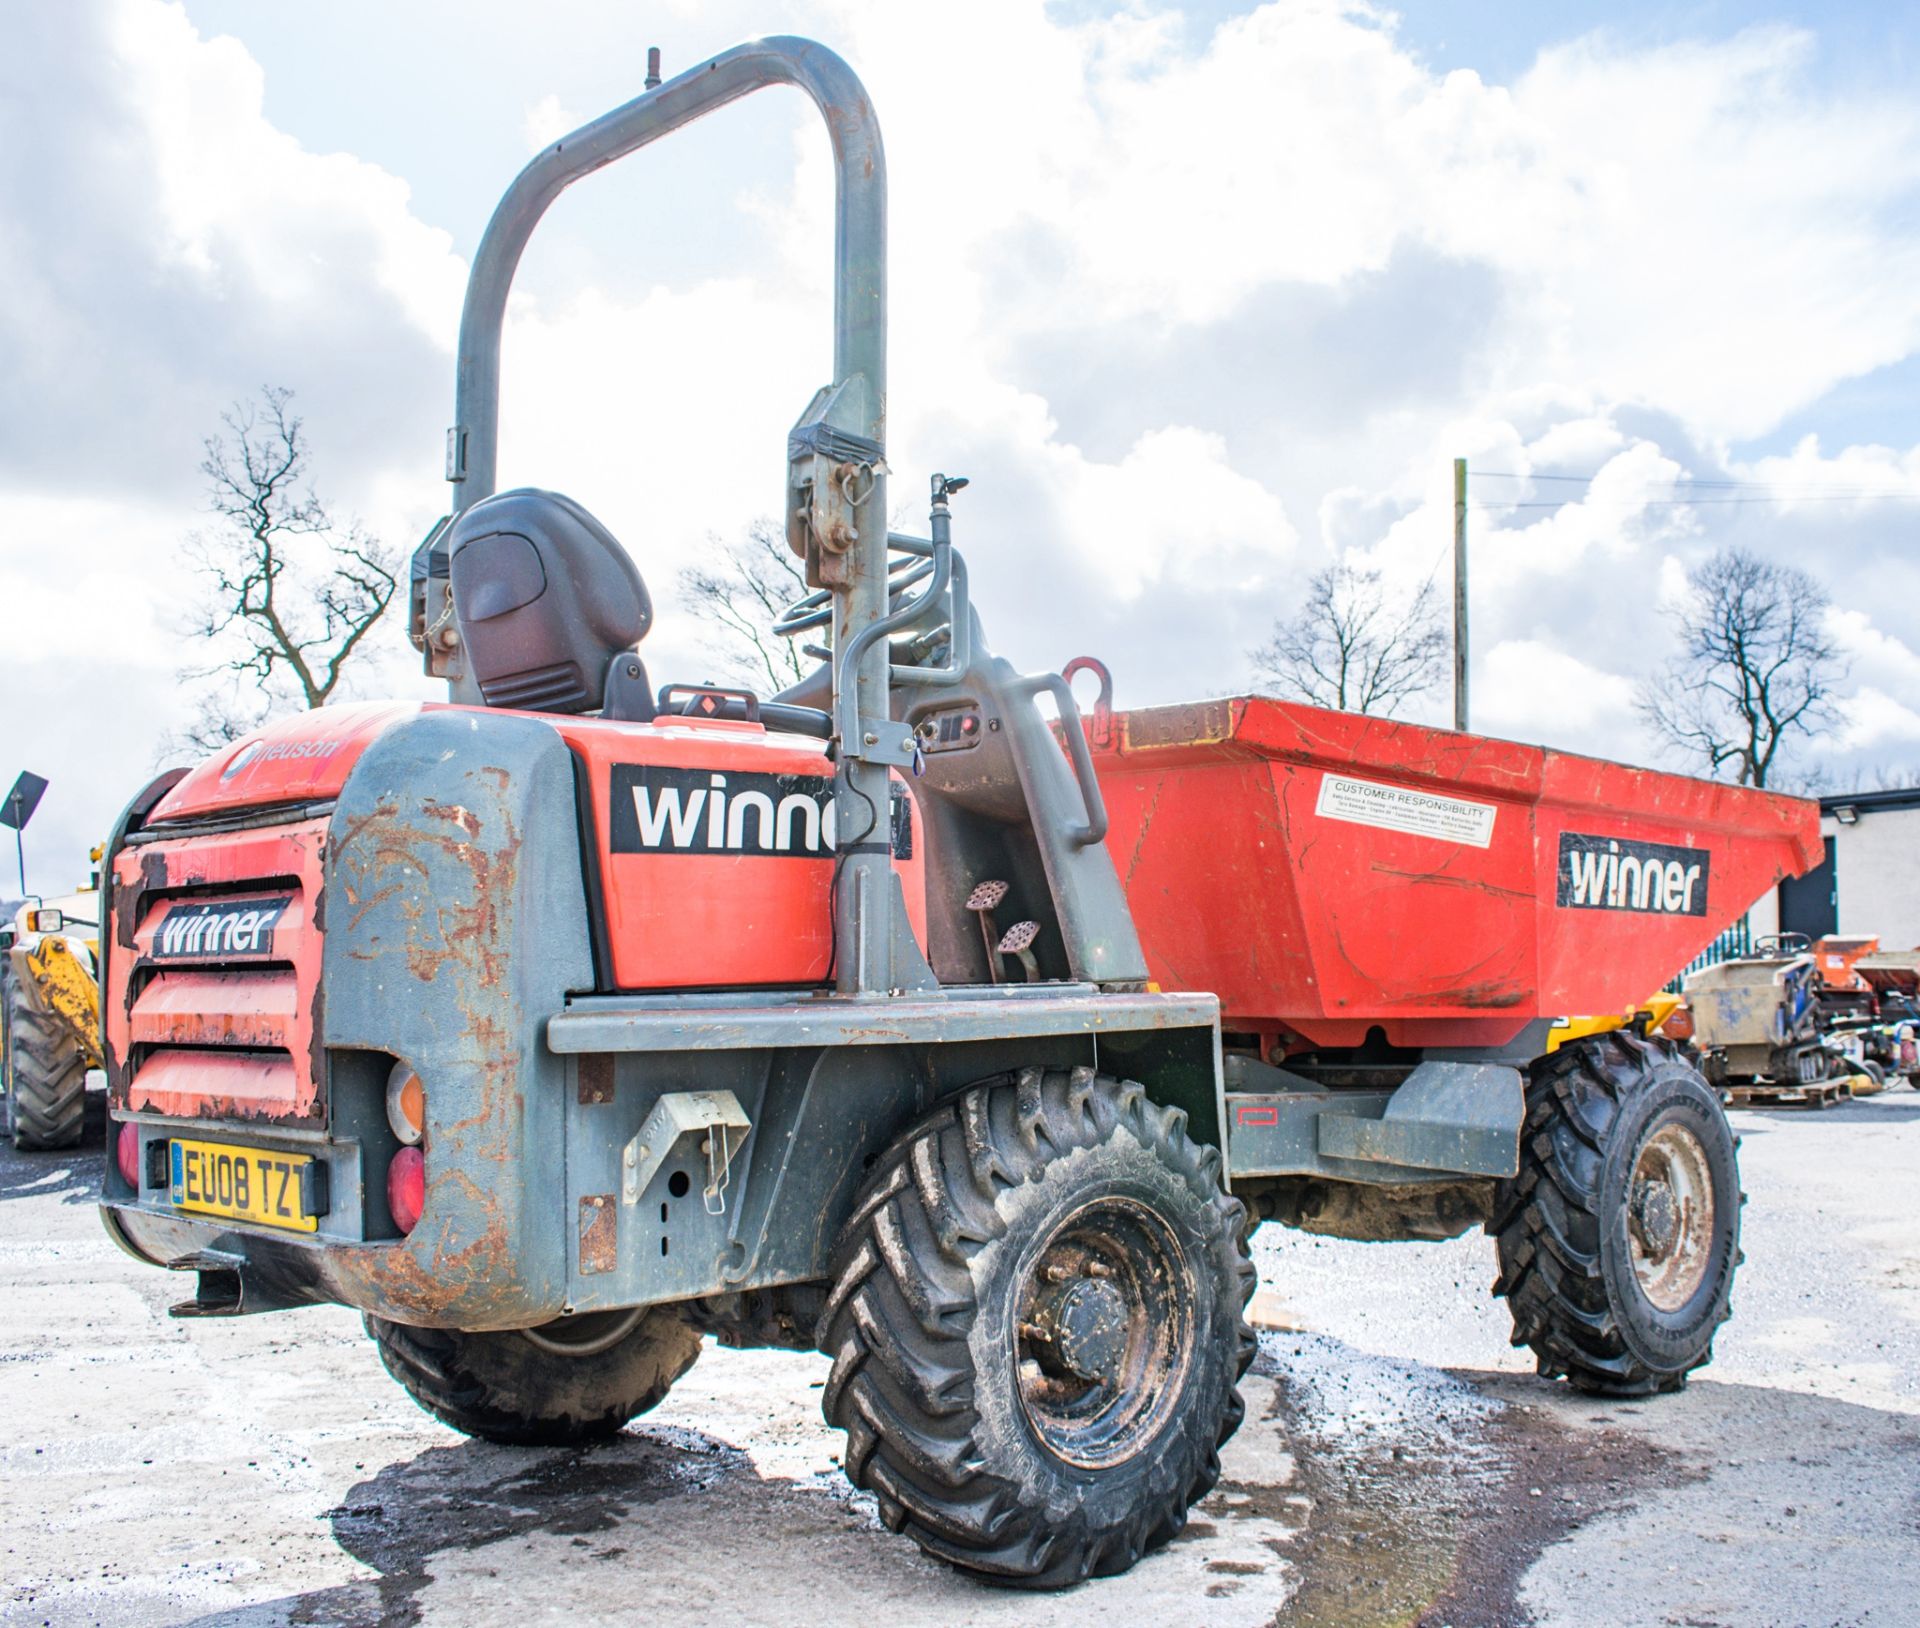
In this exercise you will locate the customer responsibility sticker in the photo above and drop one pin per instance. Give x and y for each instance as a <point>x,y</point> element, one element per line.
<point>1400,808</point>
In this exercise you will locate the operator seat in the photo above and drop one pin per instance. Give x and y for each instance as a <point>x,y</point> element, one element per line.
<point>550,607</point>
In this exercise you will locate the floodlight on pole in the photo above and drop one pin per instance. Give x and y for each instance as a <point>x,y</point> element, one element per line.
<point>16,810</point>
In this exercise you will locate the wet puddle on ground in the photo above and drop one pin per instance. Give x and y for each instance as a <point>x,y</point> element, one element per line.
<point>1417,1498</point>
<point>1359,1493</point>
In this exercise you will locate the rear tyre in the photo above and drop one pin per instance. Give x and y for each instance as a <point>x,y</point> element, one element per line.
<point>46,1076</point>
<point>1036,1324</point>
<point>1619,1238</point>
<point>576,1380</point>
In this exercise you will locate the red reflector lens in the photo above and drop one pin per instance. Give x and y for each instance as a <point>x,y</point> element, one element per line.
<point>407,1188</point>
<point>126,1154</point>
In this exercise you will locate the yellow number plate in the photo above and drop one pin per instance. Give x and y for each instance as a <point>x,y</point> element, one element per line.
<point>244,1184</point>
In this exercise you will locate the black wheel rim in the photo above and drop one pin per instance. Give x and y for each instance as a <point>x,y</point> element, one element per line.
<point>1105,1332</point>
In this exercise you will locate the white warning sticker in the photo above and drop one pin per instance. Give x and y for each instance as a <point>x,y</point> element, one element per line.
<point>1398,808</point>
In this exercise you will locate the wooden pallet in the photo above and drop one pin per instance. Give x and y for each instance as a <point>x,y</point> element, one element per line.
<point>1818,1094</point>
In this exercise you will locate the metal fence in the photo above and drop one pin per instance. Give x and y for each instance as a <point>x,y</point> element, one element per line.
<point>1732,943</point>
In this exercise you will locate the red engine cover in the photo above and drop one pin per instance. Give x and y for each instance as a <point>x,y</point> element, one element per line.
<point>304,758</point>
<point>715,843</point>
<point>714,840</point>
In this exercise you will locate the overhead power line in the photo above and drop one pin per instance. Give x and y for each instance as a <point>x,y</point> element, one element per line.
<point>1702,502</point>
<point>1756,492</point>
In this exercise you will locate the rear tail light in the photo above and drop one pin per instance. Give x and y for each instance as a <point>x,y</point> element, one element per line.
<point>407,1188</point>
<point>406,1105</point>
<point>126,1154</point>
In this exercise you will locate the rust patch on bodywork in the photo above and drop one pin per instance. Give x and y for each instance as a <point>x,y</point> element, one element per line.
<point>599,1233</point>
<point>1193,723</point>
<point>467,929</point>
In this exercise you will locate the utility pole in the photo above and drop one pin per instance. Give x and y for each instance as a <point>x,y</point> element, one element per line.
<point>1459,593</point>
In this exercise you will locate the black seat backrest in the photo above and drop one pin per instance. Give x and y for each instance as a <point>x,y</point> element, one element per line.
<point>545,597</point>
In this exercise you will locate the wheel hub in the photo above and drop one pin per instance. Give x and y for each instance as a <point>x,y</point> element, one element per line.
<point>1105,1333</point>
<point>1670,1216</point>
<point>1083,1329</point>
<point>1656,1218</point>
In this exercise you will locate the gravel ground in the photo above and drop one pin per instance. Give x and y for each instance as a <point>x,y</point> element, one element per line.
<point>1399,1465</point>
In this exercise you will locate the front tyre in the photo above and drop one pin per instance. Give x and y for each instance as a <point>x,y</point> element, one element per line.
<point>1036,1324</point>
<point>1619,1238</point>
<point>576,1380</point>
<point>46,1075</point>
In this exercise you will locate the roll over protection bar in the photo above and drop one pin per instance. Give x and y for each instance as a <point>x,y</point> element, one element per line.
<point>860,232</point>
<point>872,955</point>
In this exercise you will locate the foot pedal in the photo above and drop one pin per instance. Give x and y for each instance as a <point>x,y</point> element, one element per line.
<point>1018,940</point>
<point>983,901</point>
<point>988,896</point>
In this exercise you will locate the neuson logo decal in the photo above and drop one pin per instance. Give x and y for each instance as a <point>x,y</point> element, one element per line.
<point>222,927</point>
<point>272,751</point>
<point>1611,873</point>
<point>704,811</point>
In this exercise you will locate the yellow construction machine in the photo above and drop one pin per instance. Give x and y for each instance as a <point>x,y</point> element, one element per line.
<point>49,1017</point>
<point>1649,1018</point>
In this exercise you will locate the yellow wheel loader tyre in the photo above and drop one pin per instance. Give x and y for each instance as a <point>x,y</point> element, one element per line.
<point>46,1075</point>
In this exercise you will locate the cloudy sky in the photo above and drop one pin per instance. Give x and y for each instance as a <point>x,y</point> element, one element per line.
<point>1199,296</point>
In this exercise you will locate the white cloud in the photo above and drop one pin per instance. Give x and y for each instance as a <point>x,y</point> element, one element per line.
<point>546,121</point>
<point>1161,287</point>
<point>1732,254</point>
<point>1652,211</point>
<point>1854,479</point>
<point>1875,720</point>
<point>1531,690</point>
<point>244,207</point>
<point>1874,655</point>
<point>1674,583</point>
<point>167,250</point>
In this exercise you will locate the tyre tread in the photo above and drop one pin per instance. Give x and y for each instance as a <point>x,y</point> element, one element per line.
<point>433,1366</point>
<point>46,1078</point>
<point>1554,1285</point>
<point>897,1320</point>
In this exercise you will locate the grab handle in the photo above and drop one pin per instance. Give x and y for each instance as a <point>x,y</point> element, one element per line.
<point>1095,829</point>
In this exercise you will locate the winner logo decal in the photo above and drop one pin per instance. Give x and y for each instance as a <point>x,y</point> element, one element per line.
<point>219,928</point>
<point>704,811</point>
<point>1613,873</point>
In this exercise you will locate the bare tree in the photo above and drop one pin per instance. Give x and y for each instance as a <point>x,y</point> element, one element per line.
<point>1860,779</point>
<point>1352,646</point>
<point>1756,668</point>
<point>291,594</point>
<point>756,578</point>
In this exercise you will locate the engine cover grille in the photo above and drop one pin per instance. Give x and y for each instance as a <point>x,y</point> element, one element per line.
<point>213,972</point>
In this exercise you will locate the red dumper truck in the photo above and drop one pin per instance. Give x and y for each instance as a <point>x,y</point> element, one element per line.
<point>563,1024</point>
